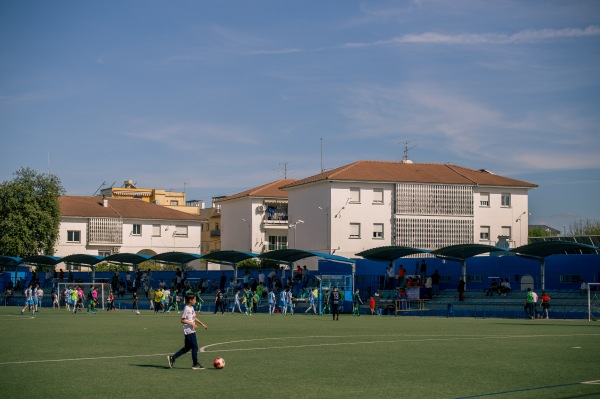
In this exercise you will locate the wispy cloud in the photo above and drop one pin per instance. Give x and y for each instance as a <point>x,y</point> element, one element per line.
<point>525,36</point>
<point>436,38</point>
<point>471,129</point>
<point>195,137</point>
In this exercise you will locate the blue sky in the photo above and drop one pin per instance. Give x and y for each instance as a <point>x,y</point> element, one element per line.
<point>220,96</point>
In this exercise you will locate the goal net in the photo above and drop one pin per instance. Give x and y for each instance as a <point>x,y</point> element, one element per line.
<point>593,301</point>
<point>103,290</point>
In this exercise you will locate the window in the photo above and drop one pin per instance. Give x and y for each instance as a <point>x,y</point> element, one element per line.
<point>104,252</point>
<point>506,231</point>
<point>378,196</point>
<point>355,194</point>
<point>484,199</point>
<point>484,233</point>
<point>277,242</point>
<point>73,236</point>
<point>174,202</point>
<point>156,230</point>
<point>505,200</point>
<point>137,230</point>
<point>378,230</point>
<point>181,231</point>
<point>354,230</point>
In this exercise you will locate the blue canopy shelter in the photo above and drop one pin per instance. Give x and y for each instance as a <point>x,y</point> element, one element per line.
<point>541,250</point>
<point>84,259</point>
<point>229,257</point>
<point>461,252</point>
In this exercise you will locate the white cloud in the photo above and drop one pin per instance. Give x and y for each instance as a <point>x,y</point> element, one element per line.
<point>197,137</point>
<point>472,129</point>
<point>525,36</point>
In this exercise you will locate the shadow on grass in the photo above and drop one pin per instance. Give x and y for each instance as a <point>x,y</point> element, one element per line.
<point>156,366</point>
<point>545,323</point>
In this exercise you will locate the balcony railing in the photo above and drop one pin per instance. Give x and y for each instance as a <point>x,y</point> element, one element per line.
<point>215,233</point>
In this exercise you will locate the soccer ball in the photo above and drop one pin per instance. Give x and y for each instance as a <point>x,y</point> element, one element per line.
<point>138,312</point>
<point>219,363</point>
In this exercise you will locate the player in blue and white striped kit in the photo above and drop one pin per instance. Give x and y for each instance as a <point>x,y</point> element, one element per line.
<point>271,300</point>
<point>28,298</point>
<point>311,302</point>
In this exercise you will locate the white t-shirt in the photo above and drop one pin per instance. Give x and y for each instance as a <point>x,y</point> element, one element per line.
<point>188,314</point>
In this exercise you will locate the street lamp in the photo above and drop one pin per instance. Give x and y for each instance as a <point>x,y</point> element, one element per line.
<point>520,227</point>
<point>293,226</point>
<point>327,221</point>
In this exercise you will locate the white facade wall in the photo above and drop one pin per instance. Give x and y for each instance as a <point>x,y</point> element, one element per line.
<point>167,241</point>
<point>330,216</point>
<point>240,224</point>
<point>500,218</point>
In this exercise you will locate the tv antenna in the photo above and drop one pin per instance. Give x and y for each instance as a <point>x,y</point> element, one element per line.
<point>99,188</point>
<point>285,169</point>
<point>405,158</point>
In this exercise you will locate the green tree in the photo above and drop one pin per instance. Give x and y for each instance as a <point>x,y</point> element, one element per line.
<point>585,227</point>
<point>538,232</point>
<point>29,213</point>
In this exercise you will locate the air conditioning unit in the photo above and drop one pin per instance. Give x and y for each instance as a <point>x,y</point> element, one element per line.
<point>260,209</point>
<point>116,250</point>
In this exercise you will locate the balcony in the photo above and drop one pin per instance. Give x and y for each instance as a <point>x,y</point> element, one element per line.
<point>215,233</point>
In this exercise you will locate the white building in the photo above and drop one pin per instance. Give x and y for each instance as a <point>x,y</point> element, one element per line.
<point>256,220</point>
<point>104,226</point>
<point>369,204</point>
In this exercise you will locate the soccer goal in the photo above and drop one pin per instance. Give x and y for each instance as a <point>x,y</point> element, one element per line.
<point>593,290</point>
<point>103,290</point>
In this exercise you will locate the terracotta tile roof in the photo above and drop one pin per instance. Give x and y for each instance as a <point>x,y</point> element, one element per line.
<point>269,190</point>
<point>396,172</point>
<point>120,207</point>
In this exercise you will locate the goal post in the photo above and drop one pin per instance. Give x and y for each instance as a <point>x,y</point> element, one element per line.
<point>593,291</point>
<point>103,289</point>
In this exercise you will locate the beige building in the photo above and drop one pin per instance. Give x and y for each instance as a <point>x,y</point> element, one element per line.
<point>171,199</point>
<point>211,230</point>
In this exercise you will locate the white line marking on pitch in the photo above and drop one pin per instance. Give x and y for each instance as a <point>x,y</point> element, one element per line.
<point>203,349</point>
<point>84,358</point>
<point>447,338</point>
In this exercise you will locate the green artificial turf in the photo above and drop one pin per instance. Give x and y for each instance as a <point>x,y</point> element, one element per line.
<point>123,355</point>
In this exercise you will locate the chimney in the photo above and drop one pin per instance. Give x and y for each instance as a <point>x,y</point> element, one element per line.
<point>104,201</point>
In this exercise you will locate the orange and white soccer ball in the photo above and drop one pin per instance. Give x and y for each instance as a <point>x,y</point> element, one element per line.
<point>219,363</point>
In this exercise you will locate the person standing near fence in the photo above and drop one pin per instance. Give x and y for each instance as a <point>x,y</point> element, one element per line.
<point>529,304</point>
<point>461,290</point>
<point>335,298</point>
<point>356,302</point>
<point>545,305</point>
<point>219,302</point>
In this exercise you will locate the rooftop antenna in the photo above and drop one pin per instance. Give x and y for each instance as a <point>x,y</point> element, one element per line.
<point>185,183</point>
<point>285,170</point>
<point>322,155</point>
<point>99,188</point>
<point>406,149</point>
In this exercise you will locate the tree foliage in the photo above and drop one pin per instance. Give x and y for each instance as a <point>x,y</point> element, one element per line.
<point>29,213</point>
<point>538,232</point>
<point>585,227</point>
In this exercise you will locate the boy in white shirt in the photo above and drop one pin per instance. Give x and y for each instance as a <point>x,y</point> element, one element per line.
<point>189,320</point>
